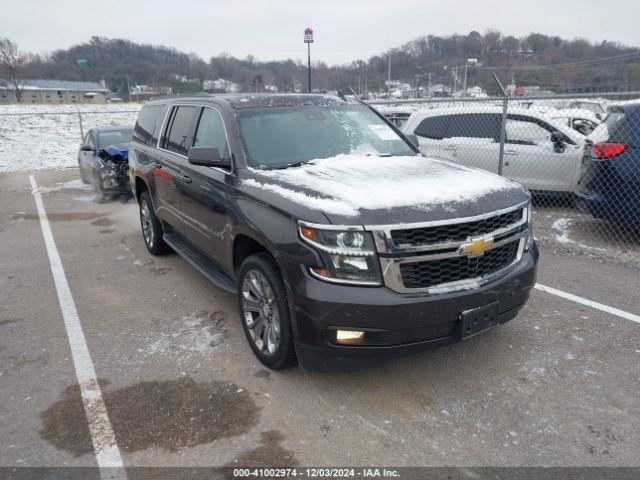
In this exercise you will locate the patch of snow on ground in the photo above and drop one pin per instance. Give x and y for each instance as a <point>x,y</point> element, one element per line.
<point>36,137</point>
<point>74,185</point>
<point>345,184</point>
<point>561,226</point>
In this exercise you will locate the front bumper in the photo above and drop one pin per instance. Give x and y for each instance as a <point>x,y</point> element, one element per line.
<point>400,324</point>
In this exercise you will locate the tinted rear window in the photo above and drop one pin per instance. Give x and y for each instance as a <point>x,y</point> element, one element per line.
<point>432,127</point>
<point>476,125</point>
<point>147,119</point>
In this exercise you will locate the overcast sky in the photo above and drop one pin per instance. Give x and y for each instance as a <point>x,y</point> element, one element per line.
<point>270,29</point>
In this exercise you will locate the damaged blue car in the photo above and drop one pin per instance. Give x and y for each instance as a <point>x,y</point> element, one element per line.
<point>103,159</point>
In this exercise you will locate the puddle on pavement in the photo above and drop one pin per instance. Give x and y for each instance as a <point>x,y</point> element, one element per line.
<point>108,230</point>
<point>159,270</point>
<point>169,415</point>
<point>7,322</point>
<point>269,454</point>
<point>102,222</point>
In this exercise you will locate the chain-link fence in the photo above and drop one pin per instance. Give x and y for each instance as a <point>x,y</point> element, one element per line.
<point>48,136</point>
<point>579,156</point>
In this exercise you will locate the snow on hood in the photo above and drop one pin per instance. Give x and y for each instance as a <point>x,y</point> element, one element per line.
<point>346,184</point>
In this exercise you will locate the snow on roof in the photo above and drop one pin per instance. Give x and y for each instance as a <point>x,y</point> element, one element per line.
<point>61,85</point>
<point>346,184</point>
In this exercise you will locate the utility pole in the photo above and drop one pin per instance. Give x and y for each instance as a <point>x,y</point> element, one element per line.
<point>464,88</point>
<point>389,81</point>
<point>455,80</point>
<point>128,88</point>
<point>308,39</point>
<point>429,90</point>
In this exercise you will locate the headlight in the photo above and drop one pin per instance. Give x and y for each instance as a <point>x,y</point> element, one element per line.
<point>529,243</point>
<point>348,254</point>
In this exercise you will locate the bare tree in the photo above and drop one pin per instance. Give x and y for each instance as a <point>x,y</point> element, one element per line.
<point>11,66</point>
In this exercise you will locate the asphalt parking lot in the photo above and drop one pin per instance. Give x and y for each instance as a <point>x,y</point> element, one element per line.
<point>557,386</point>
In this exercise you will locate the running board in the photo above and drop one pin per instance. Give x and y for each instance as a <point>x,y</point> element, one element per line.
<point>192,255</point>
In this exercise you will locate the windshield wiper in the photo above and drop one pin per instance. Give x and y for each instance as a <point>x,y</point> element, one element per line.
<point>288,165</point>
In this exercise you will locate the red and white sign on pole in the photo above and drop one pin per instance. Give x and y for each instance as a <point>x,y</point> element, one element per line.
<point>308,35</point>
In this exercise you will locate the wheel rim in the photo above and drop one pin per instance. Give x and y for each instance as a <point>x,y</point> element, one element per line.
<point>260,312</point>
<point>147,225</point>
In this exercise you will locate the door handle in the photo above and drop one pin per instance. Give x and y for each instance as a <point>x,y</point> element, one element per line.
<point>451,148</point>
<point>185,178</point>
<point>157,164</point>
<point>510,152</point>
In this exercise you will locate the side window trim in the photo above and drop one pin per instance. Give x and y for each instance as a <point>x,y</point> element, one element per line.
<point>163,126</point>
<point>167,129</point>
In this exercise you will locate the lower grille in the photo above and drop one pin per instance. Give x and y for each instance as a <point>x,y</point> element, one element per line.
<point>427,274</point>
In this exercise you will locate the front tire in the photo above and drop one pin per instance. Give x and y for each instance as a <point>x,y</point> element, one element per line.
<point>151,227</point>
<point>264,312</point>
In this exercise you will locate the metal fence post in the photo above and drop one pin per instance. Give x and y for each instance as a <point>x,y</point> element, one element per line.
<point>503,124</point>
<point>81,130</point>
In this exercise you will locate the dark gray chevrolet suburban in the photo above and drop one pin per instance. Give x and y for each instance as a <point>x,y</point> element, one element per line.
<point>344,245</point>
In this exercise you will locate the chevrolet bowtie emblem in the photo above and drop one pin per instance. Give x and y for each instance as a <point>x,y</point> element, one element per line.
<point>476,247</point>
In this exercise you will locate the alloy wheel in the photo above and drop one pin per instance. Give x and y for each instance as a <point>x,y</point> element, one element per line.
<point>260,312</point>
<point>147,225</point>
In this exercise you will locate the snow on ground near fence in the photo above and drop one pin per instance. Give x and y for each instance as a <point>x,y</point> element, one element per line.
<point>36,137</point>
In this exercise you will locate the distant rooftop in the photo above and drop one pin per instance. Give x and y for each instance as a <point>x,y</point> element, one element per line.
<point>61,85</point>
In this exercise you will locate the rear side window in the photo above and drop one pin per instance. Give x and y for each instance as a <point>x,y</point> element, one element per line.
<point>178,138</point>
<point>147,119</point>
<point>433,127</point>
<point>211,132</point>
<point>476,125</point>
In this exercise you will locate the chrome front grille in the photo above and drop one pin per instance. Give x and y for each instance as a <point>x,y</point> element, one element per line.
<point>454,231</point>
<point>441,256</point>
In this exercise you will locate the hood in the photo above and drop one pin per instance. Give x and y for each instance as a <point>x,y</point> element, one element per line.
<point>118,150</point>
<point>373,190</point>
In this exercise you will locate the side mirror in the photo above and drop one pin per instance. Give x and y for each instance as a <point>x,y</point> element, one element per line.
<point>207,157</point>
<point>85,147</point>
<point>413,139</point>
<point>558,140</point>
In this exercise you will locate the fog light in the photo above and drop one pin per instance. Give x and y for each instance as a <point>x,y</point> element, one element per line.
<point>348,336</point>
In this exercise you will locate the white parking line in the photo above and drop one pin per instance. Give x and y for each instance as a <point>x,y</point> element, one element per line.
<point>589,303</point>
<point>104,441</point>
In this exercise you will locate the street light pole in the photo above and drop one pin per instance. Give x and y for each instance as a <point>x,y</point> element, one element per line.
<point>309,66</point>
<point>308,39</point>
